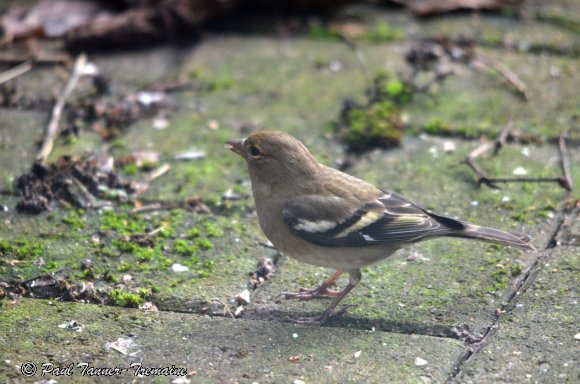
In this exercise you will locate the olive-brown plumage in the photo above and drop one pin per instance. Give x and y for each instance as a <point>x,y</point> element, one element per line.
<point>321,216</point>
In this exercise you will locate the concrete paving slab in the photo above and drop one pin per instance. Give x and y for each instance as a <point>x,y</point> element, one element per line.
<point>211,349</point>
<point>538,340</point>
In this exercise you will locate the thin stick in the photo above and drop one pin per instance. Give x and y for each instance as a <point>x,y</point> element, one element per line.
<point>510,77</point>
<point>502,138</point>
<point>15,72</point>
<point>154,207</point>
<point>506,135</point>
<point>485,147</point>
<point>565,163</point>
<point>9,58</point>
<point>52,129</point>
<point>526,180</point>
<point>359,58</point>
<point>163,169</point>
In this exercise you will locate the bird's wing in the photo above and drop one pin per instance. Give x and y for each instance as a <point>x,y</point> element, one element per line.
<point>390,219</point>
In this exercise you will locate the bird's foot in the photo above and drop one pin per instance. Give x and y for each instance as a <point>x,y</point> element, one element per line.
<point>322,319</point>
<point>309,294</point>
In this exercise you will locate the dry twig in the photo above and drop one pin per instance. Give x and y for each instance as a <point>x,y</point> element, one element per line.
<point>15,72</point>
<point>565,181</point>
<point>510,77</point>
<point>359,59</point>
<point>52,130</point>
<point>40,58</point>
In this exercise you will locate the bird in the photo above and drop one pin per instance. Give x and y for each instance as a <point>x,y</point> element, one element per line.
<point>322,216</point>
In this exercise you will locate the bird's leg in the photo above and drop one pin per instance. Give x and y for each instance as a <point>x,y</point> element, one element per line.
<point>354,277</point>
<point>322,290</point>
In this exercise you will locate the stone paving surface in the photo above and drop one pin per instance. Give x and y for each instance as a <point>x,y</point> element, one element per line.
<point>441,311</point>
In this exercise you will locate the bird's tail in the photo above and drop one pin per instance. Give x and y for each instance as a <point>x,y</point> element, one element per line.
<point>490,235</point>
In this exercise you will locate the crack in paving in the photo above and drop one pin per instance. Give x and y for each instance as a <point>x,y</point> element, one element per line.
<point>519,288</point>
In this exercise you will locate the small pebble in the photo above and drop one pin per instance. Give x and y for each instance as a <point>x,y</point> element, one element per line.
<point>420,362</point>
<point>448,146</point>
<point>243,297</point>
<point>520,171</point>
<point>179,268</point>
<point>526,151</point>
<point>335,66</point>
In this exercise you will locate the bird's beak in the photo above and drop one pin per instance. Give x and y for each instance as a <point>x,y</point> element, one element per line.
<point>236,146</point>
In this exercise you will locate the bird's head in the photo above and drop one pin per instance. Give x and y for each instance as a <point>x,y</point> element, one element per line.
<point>273,156</point>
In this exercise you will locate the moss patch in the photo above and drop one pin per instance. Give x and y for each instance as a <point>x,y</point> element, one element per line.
<point>378,126</point>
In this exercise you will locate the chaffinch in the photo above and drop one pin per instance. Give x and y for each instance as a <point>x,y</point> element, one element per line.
<point>322,216</point>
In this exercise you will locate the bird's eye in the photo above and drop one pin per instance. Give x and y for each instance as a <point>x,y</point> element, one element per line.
<point>255,151</point>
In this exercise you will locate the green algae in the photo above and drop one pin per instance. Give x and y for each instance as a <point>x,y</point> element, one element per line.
<point>381,32</point>
<point>22,249</point>
<point>122,298</point>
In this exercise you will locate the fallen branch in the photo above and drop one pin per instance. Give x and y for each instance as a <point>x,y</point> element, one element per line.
<point>485,147</point>
<point>12,73</point>
<point>52,129</point>
<point>506,135</point>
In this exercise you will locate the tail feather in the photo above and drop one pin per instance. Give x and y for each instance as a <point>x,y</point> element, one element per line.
<point>492,235</point>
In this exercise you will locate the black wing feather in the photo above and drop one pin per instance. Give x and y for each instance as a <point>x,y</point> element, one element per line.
<point>391,219</point>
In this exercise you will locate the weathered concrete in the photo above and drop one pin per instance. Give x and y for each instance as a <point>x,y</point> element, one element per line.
<point>537,340</point>
<point>213,349</point>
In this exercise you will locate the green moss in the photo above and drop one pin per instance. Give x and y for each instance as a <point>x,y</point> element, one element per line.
<point>124,266</point>
<point>130,169</point>
<point>184,248</point>
<point>322,62</point>
<point>193,233</point>
<point>195,73</point>
<point>437,126</point>
<point>144,292</point>
<point>21,248</point>
<point>220,84</point>
<point>204,243</point>
<point>125,299</point>
<point>520,216</point>
<point>378,126</point>
<point>121,223</point>
<point>74,219</point>
<point>51,266</point>
<point>382,33</point>
<point>492,37</point>
<point>110,277</point>
<point>212,230</point>
<point>166,232</point>
<point>516,269</point>
<point>323,32</point>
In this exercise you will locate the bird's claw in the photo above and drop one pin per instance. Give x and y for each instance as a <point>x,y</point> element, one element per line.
<point>322,319</point>
<point>309,294</point>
